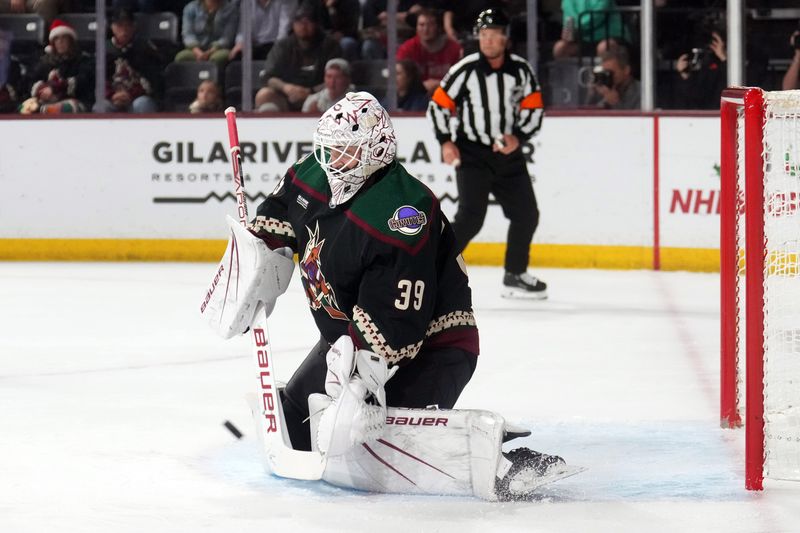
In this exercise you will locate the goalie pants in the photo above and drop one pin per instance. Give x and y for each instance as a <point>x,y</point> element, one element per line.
<point>434,377</point>
<point>483,171</point>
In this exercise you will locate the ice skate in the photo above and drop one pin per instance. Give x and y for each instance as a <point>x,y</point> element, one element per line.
<point>523,286</point>
<point>530,470</point>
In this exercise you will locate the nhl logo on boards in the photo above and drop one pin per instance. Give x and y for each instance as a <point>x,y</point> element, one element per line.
<point>407,220</point>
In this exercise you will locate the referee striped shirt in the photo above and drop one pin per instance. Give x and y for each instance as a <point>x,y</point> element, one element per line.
<point>477,103</point>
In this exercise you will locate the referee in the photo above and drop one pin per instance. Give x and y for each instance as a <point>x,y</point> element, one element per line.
<point>492,102</point>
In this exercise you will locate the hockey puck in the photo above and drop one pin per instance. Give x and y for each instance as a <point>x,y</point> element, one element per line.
<point>233,429</point>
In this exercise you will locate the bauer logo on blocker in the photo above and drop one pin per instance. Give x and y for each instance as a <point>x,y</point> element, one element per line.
<point>407,220</point>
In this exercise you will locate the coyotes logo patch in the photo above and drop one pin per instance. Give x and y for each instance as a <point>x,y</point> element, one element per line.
<point>318,291</point>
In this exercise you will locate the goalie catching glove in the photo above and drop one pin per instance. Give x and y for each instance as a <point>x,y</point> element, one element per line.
<point>248,276</point>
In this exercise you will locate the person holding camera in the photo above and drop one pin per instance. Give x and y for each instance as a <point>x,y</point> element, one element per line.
<point>589,24</point>
<point>791,80</point>
<point>486,106</point>
<point>613,85</point>
<point>702,74</point>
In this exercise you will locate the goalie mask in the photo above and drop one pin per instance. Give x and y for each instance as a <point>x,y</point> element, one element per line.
<point>353,139</point>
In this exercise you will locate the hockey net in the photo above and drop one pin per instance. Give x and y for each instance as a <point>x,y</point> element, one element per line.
<point>760,278</point>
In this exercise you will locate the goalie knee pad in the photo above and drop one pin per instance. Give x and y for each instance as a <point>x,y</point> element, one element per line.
<point>249,275</point>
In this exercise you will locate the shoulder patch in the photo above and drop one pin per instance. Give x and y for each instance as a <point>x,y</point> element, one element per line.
<point>399,210</point>
<point>408,220</point>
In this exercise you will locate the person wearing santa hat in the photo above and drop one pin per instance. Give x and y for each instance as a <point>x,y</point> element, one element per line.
<point>63,80</point>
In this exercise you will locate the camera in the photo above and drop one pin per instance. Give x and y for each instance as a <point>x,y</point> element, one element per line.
<point>602,77</point>
<point>698,55</point>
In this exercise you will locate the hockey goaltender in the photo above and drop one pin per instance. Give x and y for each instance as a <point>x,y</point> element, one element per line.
<point>371,406</point>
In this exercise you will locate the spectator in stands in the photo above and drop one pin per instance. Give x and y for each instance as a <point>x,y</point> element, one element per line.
<point>271,21</point>
<point>47,9</point>
<point>10,84</point>
<point>295,66</point>
<point>340,18</point>
<point>209,98</point>
<point>132,69</point>
<point>411,93</point>
<point>63,80</point>
<point>9,99</point>
<point>589,22</point>
<point>337,84</point>
<point>208,30</point>
<point>432,50</point>
<point>614,86</point>
<point>791,80</point>
<point>702,74</point>
<point>459,15</point>
<point>375,17</point>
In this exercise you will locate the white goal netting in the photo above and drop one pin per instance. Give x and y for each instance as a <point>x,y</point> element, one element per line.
<point>781,157</point>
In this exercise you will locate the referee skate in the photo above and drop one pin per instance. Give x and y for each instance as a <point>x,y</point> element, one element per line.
<point>523,286</point>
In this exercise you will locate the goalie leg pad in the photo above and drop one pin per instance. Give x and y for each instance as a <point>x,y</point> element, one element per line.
<point>249,275</point>
<point>425,451</point>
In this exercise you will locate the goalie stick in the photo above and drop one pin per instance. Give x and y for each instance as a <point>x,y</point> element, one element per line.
<point>265,404</point>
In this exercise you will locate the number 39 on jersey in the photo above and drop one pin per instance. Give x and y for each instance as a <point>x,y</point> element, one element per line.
<point>410,294</point>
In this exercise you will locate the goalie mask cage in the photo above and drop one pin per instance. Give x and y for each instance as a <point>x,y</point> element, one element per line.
<point>760,278</point>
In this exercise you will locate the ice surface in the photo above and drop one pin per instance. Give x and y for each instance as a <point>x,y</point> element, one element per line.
<point>113,395</point>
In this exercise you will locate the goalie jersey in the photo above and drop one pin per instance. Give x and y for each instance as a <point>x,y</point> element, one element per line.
<point>381,267</point>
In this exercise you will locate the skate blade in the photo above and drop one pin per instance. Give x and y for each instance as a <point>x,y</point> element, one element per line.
<point>529,485</point>
<point>521,294</point>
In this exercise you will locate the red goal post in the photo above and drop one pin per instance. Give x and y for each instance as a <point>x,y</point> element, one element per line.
<point>760,278</point>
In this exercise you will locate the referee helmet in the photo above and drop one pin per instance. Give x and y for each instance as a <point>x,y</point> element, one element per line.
<point>491,18</point>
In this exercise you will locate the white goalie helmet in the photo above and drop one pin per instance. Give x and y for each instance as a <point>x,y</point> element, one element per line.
<point>353,139</point>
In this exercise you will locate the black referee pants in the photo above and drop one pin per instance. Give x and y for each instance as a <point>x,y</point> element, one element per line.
<point>483,171</point>
<point>434,377</point>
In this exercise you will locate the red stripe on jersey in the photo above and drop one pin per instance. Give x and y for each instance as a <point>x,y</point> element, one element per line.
<point>306,187</point>
<point>372,231</point>
<point>355,336</point>
<point>273,242</point>
<point>465,338</point>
